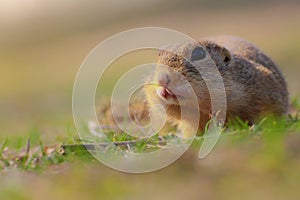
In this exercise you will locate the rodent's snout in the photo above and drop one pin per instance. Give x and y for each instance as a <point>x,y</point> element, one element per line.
<point>162,91</point>
<point>163,79</point>
<point>168,84</point>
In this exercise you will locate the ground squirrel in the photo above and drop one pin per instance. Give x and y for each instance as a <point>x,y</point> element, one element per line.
<point>253,83</point>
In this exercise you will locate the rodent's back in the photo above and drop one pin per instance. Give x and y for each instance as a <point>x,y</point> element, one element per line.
<point>244,49</point>
<point>264,87</point>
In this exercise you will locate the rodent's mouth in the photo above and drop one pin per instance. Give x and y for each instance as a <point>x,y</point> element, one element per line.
<point>164,92</point>
<point>167,95</point>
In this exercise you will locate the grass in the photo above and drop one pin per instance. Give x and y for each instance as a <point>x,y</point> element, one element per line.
<point>263,158</point>
<point>29,153</point>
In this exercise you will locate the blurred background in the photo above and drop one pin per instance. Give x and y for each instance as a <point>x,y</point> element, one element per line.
<point>43,43</point>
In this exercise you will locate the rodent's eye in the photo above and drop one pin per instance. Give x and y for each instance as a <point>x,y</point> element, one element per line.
<point>198,54</point>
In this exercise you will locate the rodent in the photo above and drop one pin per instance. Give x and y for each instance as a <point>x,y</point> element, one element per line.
<point>254,85</point>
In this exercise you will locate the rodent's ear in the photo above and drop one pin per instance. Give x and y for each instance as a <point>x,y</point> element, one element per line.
<point>226,55</point>
<point>218,53</point>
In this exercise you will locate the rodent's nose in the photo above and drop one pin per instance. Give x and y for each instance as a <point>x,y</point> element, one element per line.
<point>163,79</point>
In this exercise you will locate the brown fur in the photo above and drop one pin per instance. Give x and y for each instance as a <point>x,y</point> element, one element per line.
<point>253,83</point>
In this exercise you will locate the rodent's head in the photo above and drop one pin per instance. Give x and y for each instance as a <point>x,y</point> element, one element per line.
<point>178,68</point>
